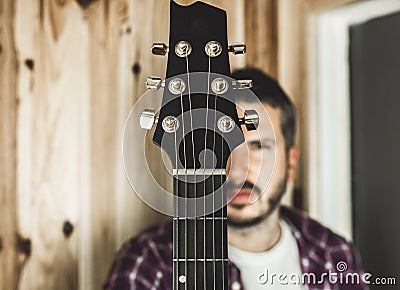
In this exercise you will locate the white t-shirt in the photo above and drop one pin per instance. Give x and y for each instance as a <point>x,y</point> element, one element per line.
<point>267,270</point>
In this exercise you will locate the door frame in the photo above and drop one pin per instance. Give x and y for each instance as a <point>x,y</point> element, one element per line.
<point>328,106</point>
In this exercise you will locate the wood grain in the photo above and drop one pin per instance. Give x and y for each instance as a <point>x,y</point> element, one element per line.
<point>262,34</point>
<point>319,5</point>
<point>9,265</point>
<point>53,140</point>
<point>69,74</point>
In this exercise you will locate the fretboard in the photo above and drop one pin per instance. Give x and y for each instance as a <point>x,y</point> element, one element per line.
<point>200,243</point>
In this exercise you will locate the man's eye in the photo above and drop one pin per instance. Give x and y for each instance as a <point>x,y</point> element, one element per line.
<point>257,145</point>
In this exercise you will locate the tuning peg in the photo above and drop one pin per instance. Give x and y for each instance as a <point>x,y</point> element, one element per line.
<point>242,84</point>
<point>159,48</point>
<point>237,48</point>
<point>250,120</point>
<point>154,83</point>
<point>148,119</point>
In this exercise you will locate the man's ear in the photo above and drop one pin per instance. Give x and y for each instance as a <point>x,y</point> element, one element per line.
<point>293,157</point>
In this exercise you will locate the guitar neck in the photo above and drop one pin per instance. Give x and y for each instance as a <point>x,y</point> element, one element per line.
<point>198,115</point>
<point>200,255</point>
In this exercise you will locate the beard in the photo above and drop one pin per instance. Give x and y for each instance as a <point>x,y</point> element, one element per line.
<point>273,203</point>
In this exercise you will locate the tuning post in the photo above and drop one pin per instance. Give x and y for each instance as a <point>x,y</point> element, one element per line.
<point>213,48</point>
<point>242,84</point>
<point>148,119</point>
<point>250,120</point>
<point>237,48</point>
<point>159,48</point>
<point>225,124</point>
<point>154,83</point>
<point>177,86</point>
<point>170,124</point>
<point>183,48</point>
<point>219,86</point>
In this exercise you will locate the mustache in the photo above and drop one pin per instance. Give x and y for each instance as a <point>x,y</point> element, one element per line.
<point>232,187</point>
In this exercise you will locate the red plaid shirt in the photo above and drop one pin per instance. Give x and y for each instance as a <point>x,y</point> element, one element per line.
<point>145,262</point>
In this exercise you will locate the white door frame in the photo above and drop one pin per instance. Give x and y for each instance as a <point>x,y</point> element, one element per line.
<point>329,184</point>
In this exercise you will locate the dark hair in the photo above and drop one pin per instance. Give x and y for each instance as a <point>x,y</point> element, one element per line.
<point>268,91</point>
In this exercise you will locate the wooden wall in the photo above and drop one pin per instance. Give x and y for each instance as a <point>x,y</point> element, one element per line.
<point>69,73</point>
<point>9,246</point>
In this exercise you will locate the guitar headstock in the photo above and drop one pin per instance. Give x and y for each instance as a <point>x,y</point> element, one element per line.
<point>198,112</point>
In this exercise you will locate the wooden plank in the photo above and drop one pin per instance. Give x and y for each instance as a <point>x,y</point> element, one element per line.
<point>51,38</point>
<point>319,5</point>
<point>291,74</point>
<point>140,29</point>
<point>262,34</point>
<point>10,268</point>
<point>105,24</point>
<point>121,36</point>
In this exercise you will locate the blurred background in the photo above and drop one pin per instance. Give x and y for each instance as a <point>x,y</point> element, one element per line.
<point>70,70</point>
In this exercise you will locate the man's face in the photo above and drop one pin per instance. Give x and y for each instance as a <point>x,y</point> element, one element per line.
<point>252,176</point>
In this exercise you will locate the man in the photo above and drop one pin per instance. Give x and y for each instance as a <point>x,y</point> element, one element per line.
<point>270,246</point>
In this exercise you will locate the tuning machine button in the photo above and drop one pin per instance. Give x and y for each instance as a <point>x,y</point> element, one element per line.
<point>154,83</point>
<point>148,119</point>
<point>237,48</point>
<point>250,120</point>
<point>159,48</point>
<point>242,84</point>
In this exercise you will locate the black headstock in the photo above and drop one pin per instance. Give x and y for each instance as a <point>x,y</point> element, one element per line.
<point>198,98</point>
<point>197,24</point>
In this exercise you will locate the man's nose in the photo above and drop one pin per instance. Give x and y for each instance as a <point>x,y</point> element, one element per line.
<point>238,164</point>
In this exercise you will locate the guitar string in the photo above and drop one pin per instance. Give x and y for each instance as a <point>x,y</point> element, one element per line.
<point>223,221</point>
<point>176,234</point>
<point>204,163</point>
<point>185,191</point>
<point>213,185</point>
<point>194,166</point>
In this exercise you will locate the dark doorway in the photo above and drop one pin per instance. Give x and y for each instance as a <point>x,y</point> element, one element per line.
<point>375,117</point>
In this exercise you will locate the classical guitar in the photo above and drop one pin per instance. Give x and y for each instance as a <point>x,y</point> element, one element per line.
<point>198,127</point>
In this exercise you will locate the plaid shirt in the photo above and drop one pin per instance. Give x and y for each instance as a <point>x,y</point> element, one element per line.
<point>145,262</point>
